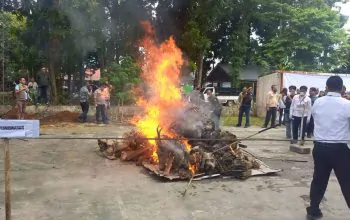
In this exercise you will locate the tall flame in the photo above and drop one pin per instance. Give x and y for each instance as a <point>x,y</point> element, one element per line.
<point>161,65</point>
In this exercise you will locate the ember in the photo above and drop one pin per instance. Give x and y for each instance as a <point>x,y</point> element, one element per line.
<point>166,137</point>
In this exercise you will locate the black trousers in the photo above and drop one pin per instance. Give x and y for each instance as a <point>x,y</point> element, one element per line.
<point>43,94</point>
<point>246,110</point>
<point>328,157</point>
<point>281,111</point>
<point>295,127</point>
<point>310,127</point>
<point>85,110</point>
<point>271,114</point>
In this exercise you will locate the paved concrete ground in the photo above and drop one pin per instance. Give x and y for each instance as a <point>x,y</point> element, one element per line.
<point>65,179</point>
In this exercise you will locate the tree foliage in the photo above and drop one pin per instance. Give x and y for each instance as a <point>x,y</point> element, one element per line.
<point>68,36</point>
<point>123,75</point>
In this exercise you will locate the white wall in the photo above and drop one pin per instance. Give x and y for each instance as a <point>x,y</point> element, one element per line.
<point>311,80</point>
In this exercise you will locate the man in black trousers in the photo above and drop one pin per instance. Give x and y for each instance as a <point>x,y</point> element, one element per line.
<point>271,107</point>
<point>332,130</point>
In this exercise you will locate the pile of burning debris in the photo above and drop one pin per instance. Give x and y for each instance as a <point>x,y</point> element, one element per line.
<point>212,153</point>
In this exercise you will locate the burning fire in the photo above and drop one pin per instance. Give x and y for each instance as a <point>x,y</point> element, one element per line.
<point>161,65</point>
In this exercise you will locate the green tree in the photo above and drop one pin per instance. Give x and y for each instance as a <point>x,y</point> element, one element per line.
<point>123,75</point>
<point>12,50</point>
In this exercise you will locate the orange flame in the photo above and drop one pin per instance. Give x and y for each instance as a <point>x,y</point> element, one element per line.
<point>160,65</point>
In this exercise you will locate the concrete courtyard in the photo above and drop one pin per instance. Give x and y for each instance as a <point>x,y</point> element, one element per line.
<point>66,179</point>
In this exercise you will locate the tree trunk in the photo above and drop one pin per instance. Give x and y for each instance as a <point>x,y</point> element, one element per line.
<point>54,56</point>
<point>101,56</point>
<point>69,80</point>
<point>53,67</point>
<point>200,69</point>
<point>81,74</point>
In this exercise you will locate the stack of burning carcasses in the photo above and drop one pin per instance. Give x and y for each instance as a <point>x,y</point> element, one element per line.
<point>209,151</point>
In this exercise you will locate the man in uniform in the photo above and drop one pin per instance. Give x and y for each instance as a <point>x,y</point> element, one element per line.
<point>332,130</point>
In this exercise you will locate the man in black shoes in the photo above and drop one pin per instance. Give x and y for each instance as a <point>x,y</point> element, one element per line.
<point>332,130</point>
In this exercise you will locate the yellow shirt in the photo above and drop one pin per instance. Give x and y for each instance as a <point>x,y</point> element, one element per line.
<point>272,99</point>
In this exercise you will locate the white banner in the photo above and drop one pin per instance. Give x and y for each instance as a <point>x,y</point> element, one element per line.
<point>311,80</point>
<point>19,128</point>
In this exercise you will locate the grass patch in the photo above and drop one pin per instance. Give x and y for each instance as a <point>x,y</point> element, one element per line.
<point>232,121</point>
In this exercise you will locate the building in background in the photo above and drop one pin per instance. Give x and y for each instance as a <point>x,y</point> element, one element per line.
<point>221,76</point>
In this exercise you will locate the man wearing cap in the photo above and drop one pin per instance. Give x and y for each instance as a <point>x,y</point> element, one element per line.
<point>332,131</point>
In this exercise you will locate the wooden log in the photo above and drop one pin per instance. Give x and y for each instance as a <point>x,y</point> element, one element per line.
<point>168,164</point>
<point>130,155</point>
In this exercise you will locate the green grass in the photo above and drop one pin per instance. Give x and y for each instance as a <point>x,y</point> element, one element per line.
<point>232,121</point>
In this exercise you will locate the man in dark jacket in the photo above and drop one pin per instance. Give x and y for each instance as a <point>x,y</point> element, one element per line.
<point>43,83</point>
<point>245,105</point>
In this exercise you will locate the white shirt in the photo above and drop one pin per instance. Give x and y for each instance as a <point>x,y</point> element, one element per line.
<point>331,115</point>
<point>300,107</point>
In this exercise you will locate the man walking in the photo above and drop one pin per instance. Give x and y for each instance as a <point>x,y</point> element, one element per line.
<point>310,126</point>
<point>288,102</point>
<point>21,91</point>
<point>85,93</point>
<point>300,113</point>
<point>271,107</point>
<point>215,109</point>
<point>332,130</point>
<point>245,106</point>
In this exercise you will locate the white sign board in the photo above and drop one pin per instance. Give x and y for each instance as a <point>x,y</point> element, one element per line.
<point>19,128</point>
<point>311,80</point>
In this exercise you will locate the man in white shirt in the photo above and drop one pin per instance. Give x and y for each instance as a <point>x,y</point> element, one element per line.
<point>300,113</point>
<point>331,115</point>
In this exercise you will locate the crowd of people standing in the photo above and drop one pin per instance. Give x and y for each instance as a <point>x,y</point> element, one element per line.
<point>36,92</point>
<point>293,106</point>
